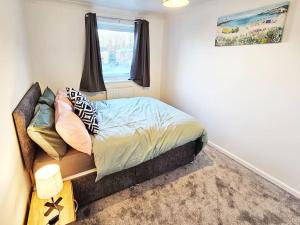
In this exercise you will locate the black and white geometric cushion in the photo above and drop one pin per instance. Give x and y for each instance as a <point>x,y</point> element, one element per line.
<point>86,112</point>
<point>74,95</point>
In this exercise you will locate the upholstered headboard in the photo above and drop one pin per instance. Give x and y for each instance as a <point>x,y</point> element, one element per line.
<point>22,115</point>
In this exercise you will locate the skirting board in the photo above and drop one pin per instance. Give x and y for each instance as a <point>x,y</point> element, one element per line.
<point>256,170</point>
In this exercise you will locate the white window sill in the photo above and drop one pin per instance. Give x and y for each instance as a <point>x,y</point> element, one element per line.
<point>117,81</point>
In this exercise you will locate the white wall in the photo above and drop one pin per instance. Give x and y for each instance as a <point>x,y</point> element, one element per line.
<point>248,96</point>
<point>15,80</point>
<point>57,38</point>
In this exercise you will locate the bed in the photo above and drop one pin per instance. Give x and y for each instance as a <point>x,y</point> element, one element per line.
<point>126,152</point>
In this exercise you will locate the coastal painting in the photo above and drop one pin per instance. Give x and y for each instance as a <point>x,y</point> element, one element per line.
<point>260,26</point>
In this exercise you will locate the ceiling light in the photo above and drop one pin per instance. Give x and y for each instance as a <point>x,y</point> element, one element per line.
<point>175,3</point>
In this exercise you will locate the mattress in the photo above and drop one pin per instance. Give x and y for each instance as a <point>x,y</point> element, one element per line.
<point>73,163</point>
<point>135,130</point>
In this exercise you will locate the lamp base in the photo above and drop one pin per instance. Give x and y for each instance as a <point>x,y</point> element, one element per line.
<point>53,205</point>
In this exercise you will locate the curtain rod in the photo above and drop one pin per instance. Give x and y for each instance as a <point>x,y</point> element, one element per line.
<point>115,18</point>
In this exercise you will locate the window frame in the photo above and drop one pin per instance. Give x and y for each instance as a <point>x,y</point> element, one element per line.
<point>112,25</point>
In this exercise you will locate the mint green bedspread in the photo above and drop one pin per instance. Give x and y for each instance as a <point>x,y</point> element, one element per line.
<point>134,130</point>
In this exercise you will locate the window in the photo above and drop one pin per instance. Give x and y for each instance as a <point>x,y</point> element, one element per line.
<point>116,46</point>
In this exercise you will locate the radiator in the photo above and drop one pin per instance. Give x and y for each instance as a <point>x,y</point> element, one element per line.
<point>111,93</point>
<point>121,92</point>
<point>96,96</point>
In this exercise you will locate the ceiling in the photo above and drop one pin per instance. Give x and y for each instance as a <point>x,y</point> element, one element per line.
<point>135,5</point>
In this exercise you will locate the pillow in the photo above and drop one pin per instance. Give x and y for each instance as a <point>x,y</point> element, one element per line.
<point>48,97</point>
<point>62,96</point>
<point>74,95</point>
<point>86,113</point>
<point>71,129</point>
<point>42,131</point>
<point>61,106</point>
<point>60,92</point>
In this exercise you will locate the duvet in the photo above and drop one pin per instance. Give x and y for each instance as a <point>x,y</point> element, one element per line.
<point>134,130</point>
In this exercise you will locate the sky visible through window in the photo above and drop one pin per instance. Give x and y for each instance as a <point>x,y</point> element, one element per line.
<point>116,52</point>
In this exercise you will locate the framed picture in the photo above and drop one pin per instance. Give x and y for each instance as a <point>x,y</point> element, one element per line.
<point>260,26</point>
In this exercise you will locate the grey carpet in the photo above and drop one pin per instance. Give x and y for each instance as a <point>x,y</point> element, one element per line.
<point>212,190</point>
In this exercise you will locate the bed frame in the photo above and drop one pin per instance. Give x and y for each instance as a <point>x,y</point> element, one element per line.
<point>85,188</point>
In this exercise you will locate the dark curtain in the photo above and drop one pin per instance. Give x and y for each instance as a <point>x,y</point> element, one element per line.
<point>140,68</point>
<point>92,77</point>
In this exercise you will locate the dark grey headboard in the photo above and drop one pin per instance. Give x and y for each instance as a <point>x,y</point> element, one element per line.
<point>22,115</point>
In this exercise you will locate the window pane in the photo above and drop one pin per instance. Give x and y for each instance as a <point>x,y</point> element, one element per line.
<point>116,44</point>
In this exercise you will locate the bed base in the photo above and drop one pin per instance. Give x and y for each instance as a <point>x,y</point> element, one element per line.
<point>86,190</point>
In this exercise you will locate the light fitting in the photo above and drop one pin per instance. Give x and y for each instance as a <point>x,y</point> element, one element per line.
<point>175,3</point>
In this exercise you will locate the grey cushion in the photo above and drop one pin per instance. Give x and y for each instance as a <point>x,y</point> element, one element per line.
<point>48,98</point>
<point>42,131</point>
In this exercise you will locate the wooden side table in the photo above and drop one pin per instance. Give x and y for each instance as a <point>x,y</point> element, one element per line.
<point>67,215</point>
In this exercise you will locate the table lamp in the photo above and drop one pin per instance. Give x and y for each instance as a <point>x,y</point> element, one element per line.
<point>49,183</point>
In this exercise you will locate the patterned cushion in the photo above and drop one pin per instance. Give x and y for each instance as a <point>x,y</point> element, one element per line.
<point>74,95</point>
<point>86,112</point>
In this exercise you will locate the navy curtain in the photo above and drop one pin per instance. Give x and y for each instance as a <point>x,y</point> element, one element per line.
<point>92,76</point>
<point>140,68</point>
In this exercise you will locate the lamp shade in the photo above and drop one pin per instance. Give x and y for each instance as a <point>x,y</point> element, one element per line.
<point>48,181</point>
<point>175,3</point>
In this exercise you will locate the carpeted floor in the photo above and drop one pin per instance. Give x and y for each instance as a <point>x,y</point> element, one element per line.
<point>212,190</point>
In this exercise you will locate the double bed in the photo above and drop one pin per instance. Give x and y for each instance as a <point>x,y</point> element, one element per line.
<point>140,138</point>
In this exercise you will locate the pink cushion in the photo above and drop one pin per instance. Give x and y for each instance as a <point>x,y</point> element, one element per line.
<point>61,106</point>
<point>61,92</point>
<point>71,129</point>
<point>61,95</point>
